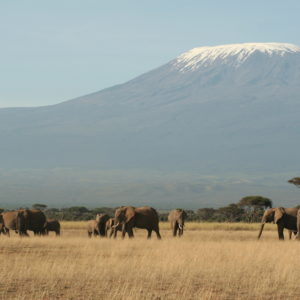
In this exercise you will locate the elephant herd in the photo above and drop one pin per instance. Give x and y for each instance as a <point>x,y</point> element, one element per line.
<point>128,217</point>
<point>24,220</point>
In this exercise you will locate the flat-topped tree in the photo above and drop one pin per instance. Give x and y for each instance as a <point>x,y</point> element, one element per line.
<point>295,181</point>
<point>39,206</point>
<point>254,206</point>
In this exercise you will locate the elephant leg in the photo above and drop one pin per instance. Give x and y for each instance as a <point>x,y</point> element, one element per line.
<point>149,233</point>
<point>111,232</point>
<point>130,232</point>
<point>114,231</point>
<point>174,230</point>
<point>180,232</point>
<point>280,232</point>
<point>157,233</point>
<point>89,234</point>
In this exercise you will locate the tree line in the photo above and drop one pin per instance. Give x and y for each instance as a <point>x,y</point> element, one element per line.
<point>248,209</point>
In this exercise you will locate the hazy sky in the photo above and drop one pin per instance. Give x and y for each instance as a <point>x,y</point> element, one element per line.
<point>57,50</point>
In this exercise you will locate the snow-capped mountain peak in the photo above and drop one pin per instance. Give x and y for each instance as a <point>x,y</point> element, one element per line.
<point>234,54</point>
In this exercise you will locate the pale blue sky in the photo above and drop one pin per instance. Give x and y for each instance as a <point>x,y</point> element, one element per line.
<point>52,51</point>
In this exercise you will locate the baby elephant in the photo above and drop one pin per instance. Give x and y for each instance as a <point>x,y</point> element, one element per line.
<point>52,225</point>
<point>98,226</point>
<point>92,228</point>
<point>110,227</point>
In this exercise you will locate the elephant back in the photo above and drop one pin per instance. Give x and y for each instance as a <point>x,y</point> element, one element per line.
<point>146,217</point>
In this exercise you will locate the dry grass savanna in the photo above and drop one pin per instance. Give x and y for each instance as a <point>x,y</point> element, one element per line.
<point>211,261</point>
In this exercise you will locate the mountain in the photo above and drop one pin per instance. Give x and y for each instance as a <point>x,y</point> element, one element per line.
<point>227,111</point>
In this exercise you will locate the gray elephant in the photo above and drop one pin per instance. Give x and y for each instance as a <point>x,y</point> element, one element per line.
<point>92,228</point>
<point>283,217</point>
<point>129,217</point>
<point>98,226</point>
<point>3,229</point>
<point>109,227</point>
<point>34,219</point>
<point>14,220</point>
<point>176,218</point>
<point>52,225</point>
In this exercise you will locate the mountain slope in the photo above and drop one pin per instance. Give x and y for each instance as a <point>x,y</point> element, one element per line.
<point>212,110</point>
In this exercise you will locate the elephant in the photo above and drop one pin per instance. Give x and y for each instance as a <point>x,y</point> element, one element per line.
<point>92,228</point>
<point>13,220</point>
<point>52,225</point>
<point>129,217</point>
<point>283,217</point>
<point>98,226</point>
<point>34,219</point>
<point>3,229</point>
<point>176,218</point>
<point>110,227</point>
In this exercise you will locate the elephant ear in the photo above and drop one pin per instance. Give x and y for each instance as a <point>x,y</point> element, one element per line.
<point>279,212</point>
<point>129,214</point>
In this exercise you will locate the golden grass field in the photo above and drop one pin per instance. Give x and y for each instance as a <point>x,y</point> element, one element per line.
<point>211,261</point>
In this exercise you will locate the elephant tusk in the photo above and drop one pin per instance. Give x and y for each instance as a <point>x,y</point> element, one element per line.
<point>114,226</point>
<point>180,226</point>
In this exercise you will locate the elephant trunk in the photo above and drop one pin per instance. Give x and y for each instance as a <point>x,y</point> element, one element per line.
<point>261,230</point>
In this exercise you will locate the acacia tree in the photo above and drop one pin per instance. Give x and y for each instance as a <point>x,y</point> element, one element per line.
<point>254,207</point>
<point>39,206</point>
<point>295,181</point>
